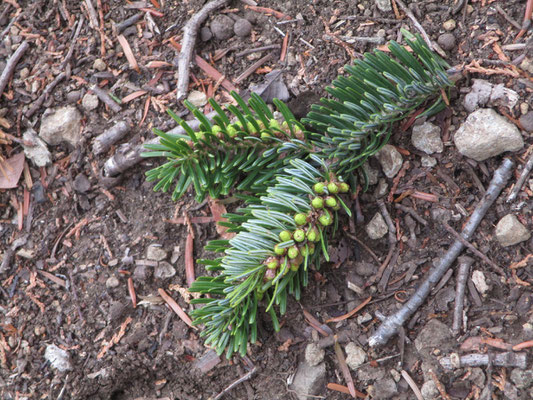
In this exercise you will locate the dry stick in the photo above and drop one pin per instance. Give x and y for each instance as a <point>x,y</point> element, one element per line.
<point>462,277</point>
<point>520,182</point>
<point>128,155</point>
<point>73,43</point>
<point>478,253</point>
<point>250,70</point>
<point>38,103</point>
<point>11,64</point>
<point>391,325</point>
<point>242,379</point>
<point>110,136</point>
<point>411,211</point>
<point>106,98</point>
<point>415,23</point>
<point>509,359</point>
<point>258,49</point>
<point>189,37</point>
<point>507,17</point>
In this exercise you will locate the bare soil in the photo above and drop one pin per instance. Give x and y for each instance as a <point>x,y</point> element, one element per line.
<point>157,353</point>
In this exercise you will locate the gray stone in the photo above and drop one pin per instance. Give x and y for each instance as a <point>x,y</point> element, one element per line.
<point>81,183</point>
<point>449,25</point>
<point>526,121</point>
<point>384,5</point>
<point>446,41</point>
<point>35,149</point>
<point>368,373</point>
<point>377,228</point>
<point>156,253</point>
<point>486,134</point>
<point>371,173</point>
<point>242,27</point>
<point>61,125</point>
<point>99,65</point>
<point>428,161</point>
<point>365,268</point>
<point>141,273</point>
<point>164,270</point>
<point>382,188</point>
<point>479,95</point>
<point>439,214</point>
<point>522,378</point>
<point>355,355</point>
<point>509,231</point>
<point>383,389</point>
<point>58,358</point>
<point>480,282</point>
<point>314,354</point>
<point>426,137</point>
<point>73,96</point>
<point>429,390</point>
<point>205,34</point>
<point>222,27</point>
<point>527,65</point>
<point>309,380</point>
<point>477,376</point>
<point>197,98</point>
<point>433,335</point>
<point>390,160</point>
<point>502,96</point>
<point>112,282</point>
<point>89,102</point>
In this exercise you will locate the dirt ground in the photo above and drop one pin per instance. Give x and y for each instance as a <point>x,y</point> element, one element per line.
<point>67,284</point>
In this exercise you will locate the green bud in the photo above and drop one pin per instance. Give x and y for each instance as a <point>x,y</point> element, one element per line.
<point>311,247</point>
<point>239,124</point>
<point>279,250</point>
<point>317,202</point>
<point>304,251</point>
<point>251,127</point>
<point>331,201</point>
<point>285,236</point>
<point>299,235</point>
<point>232,132</point>
<point>319,187</point>
<point>272,263</point>
<point>293,252</point>
<point>294,267</point>
<point>300,219</point>
<point>265,135</point>
<point>325,218</point>
<point>333,188</point>
<point>274,124</point>
<point>215,129</point>
<point>313,235</point>
<point>344,187</point>
<point>285,126</point>
<point>270,274</point>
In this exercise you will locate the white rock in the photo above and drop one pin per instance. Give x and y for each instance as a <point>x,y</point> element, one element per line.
<point>426,137</point>
<point>428,161</point>
<point>390,160</point>
<point>429,390</point>
<point>384,5</point>
<point>377,228</point>
<point>486,134</point>
<point>89,102</point>
<point>58,358</point>
<point>314,354</point>
<point>478,278</point>
<point>164,270</point>
<point>61,125</point>
<point>35,148</point>
<point>510,231</point>
<point>156,253</point>
<point>479,95</point>
<point>197,98</point>
<point>112,282</point>
<point>355,356</point>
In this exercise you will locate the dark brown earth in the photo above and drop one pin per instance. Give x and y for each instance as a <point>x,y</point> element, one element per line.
<point>156,355</point>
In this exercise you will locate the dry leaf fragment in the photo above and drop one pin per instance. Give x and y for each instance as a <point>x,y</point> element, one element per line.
<point>10,171</point>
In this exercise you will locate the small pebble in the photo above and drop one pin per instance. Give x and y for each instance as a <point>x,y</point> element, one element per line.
<point>99,65</point>
<point>524,108</point>
<point>314,354</point>
<point>446,41</point>
<point>242,27</point>
<point>81,183</point>
<point>222,27</point>
<point>74,96</point>
<point>197,98</point>
<point>355,356</point>
<point>205,34</point>
<point>24,72</point>
<point>155,253</point>
<point>164,270</point>
<point>89,102</point>
<point>526,121</point>
<point>112,282</point>
<point>449,25</point>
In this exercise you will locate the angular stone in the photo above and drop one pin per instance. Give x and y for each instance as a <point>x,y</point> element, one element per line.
<point>58,358</point>
<point>526,121</point>
<point>478,278</point>
<point>390,160</point>
<point>486,134</point>
<point>314,354</point>
<point>155,253</point>
<point>164,270</point>
<point>510,231</point>
<point>426,137</point>
<point>377,228</point>
<point>433,335</point>
<point>429,390</point>
<point>522,378</point>
<point>355,355</point>
<point>383,389</point>
<point>35,149</point>
<point>197,98</point>
<point>89,102</point>
<point>309,380</point>
<point>61,125</point>
<point>384,5</point>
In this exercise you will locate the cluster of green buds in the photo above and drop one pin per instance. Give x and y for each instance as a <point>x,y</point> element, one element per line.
<point>297,245</point>
<point>257,128</point>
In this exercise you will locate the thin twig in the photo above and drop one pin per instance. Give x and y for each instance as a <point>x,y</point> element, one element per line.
<point>507,360</point>
<point>250,70</point>
<point>37,103</point>
<point>478,253</point>
<point>11,64</point>
<point>73,43</point>
<point>413,213</point>
<point>520,182</point>
<point>110,136</point>
<point>462,277</point>
<point>411,382</point>
<point>106,98</point>
<point>258,49</point>
<point>415,23</point>
<point>242,379</point>
<point>189,38</point>
<point>507,17</point>
<point>391,325</point>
